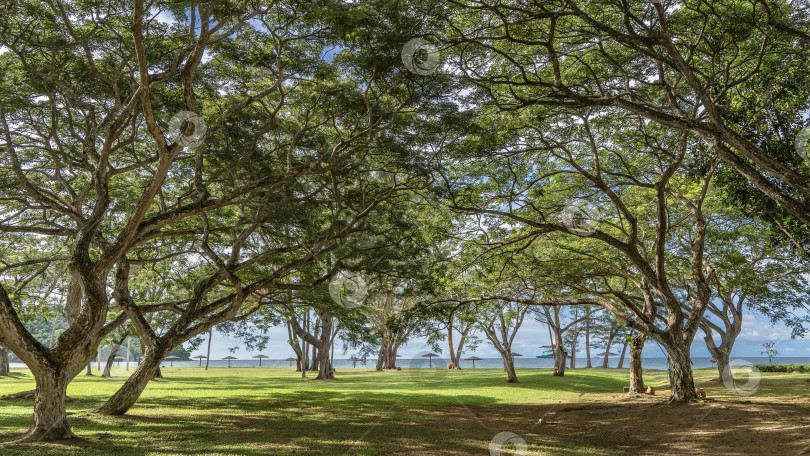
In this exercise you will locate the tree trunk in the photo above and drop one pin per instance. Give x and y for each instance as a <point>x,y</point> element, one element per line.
<point>559,360</point>
<point>4,367</point>
<point>89,370</point>
<point>325,371</point>
<point>574,352</point>
<point>588,340</point>
<point>606,361</point>
<point>208,355</point>
<point>452,349</point>
<point>636,377</point>
<point>111,358</point>
<point>723,365</point>
<point>624,352</point>
<point>681,382</point>
<point>381,358</point>
<point>559,351</point>
<point>391,358</point>
<point>50,423</point>
<point>128,394</point>
<point>509,367</point>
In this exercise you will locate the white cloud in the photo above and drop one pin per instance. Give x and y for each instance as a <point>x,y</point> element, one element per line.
<point>165,17</point>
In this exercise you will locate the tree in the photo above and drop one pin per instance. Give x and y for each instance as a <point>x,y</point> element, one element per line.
<point>636,193</point>
<point>751,273</point>
<point>114,183</point>
<point>770,351</point>
<point>500,321</point>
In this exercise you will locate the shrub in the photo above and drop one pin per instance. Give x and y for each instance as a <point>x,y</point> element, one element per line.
<point>801,368</point>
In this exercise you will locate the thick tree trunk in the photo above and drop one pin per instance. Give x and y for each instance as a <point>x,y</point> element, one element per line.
<point>392,356</point>
<point>723,365</point>
<point>681,382</point>
<point>509,367</point>
<point>559,352</point>
<point>89,370</point>
<point>559,361</point>
<point>4,367</point>
<point>128,394</point>
<point>636,377</point>
<point>382,355</point>
<point>325,371</point>
<point>50,423</point>
<point>722,354</point>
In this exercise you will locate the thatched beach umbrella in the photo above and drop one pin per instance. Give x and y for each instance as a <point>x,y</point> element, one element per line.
<point>516,354</point>
<point>260,358</point>
<point>473,359</point>
<point>229,358</point>
<point>171,360</point>
<point>608,354</point>
<point>430,357</point>
<point>291,360</point>
<point>200,357</point>
<point>354,360</point>
<point>119,359</point>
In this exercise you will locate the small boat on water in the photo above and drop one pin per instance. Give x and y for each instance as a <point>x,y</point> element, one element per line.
<point>545,355</point>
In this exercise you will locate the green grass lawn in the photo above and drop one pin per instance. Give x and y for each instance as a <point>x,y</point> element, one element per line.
<point>252,411</point>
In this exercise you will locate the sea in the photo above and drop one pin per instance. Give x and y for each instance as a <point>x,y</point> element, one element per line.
<point>486,363</point>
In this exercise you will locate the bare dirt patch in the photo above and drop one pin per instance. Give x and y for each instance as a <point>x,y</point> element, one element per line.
<point>645,426</point>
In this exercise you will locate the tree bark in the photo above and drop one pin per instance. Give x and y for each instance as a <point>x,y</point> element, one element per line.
<point>4,367</point>
<point>50,422</point>
<point>509,367</point>
<point>723,365</point>
<point>636,376</point>
<point>89,370</point>
<point>128,394</point>
<point>681,382</point>
<point>559,351</point>
<point>559,360</point>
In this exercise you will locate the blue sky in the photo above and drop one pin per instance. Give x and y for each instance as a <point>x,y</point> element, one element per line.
<point>756,330</point>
